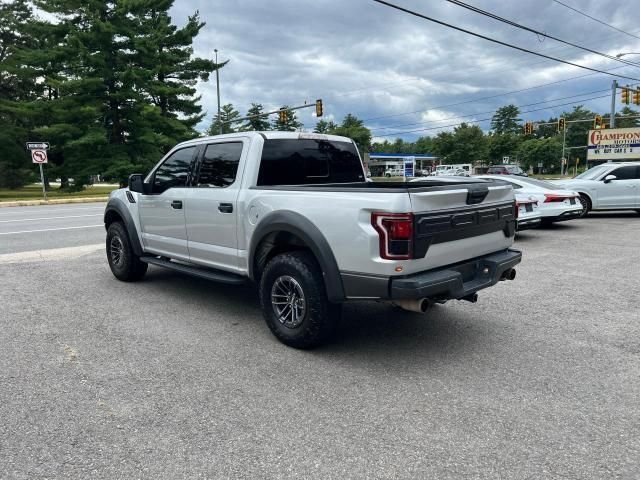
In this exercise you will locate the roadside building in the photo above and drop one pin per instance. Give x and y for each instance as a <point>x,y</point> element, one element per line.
<point>379,163</point>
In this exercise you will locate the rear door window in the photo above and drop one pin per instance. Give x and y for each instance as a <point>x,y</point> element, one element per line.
<point>308,161</point>
<point>219,165</point>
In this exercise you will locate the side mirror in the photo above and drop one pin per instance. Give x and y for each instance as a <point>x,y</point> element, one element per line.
<point>136,184</point>
<point>609,178</point>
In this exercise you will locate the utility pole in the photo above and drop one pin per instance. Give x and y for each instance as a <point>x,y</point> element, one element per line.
<point>218,89</point>
<point>564,142</point>
<point>614,88</point>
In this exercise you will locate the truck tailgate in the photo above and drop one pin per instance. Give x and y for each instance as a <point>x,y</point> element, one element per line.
<point>453,225</point>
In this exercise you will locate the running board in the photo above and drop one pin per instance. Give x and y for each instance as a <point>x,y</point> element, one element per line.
<point>200,272</point>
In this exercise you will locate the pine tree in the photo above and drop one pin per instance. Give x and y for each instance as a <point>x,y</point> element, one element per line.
<point>355,129</point>
<point>118,81</point>
<point>16,90</point>
<point>227,114</point>
<point>257,124</point>
<point>290,125</point>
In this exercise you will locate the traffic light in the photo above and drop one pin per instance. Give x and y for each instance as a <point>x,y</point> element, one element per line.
<point>528,128</point>
<point>625,95</point>
<point>636,96</point>
<point>318,108</point>
<point>561,124</point>
<point>597,122</point>
<point>283,115</point>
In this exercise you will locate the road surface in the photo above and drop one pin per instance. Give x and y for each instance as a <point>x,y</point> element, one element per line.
<point>174,377</point>
<point>50,226</point>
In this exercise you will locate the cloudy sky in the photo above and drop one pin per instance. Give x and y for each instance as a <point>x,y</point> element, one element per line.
<point>401,73</point>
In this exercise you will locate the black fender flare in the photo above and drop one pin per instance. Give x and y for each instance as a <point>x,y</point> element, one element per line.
<point>304,229</point>
<point>118,206</point>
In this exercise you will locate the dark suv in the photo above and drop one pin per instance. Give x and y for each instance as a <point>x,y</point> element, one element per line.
<point>506,170</point>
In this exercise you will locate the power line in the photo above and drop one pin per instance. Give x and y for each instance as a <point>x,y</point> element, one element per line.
<point>488,119</point>
<point>390,85</point>
<point>537,32</point>
<point>487,97</point>
<point>493,111</point>
<point>494,40</point>
<point>596,19</point>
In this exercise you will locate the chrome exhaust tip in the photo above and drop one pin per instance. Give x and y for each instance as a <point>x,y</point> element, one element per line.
<point>419,305</point>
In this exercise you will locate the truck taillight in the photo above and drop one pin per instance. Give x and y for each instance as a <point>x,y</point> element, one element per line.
<point>396,234</point>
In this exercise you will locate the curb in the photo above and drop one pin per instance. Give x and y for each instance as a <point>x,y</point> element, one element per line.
<point>54,201</point>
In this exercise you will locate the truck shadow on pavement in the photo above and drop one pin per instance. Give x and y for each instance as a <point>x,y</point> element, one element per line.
<point>364,326</point>
<point>619,214</point>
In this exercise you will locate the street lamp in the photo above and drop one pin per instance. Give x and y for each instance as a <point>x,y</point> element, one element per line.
<point>619,55</point>
<point>218,89</point>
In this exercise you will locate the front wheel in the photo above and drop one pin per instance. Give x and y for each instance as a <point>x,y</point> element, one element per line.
<point>124,263</point>
<point>294,301</point>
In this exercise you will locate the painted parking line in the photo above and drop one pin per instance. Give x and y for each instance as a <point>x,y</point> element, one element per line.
<point>48,209</point>
<point>52,229</point>
<point>50,218</point>
<point>50,254</point>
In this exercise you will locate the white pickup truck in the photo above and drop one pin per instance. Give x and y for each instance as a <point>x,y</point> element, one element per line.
<point>293,213</point>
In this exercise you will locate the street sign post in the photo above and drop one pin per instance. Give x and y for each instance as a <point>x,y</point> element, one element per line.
<point>39,156</point>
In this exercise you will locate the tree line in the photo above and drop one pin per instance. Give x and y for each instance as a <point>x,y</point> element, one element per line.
<point>110,85</point>
<point>470,144</point>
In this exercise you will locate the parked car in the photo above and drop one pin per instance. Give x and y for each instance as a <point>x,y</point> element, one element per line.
<point>458,172</point>
<point>395,171</point>
<point>610,186</point>
<point>292,212</point>
<point>556,204</point>
<point>529,215</point>
<point>445,169</point>
<point>506,170</point>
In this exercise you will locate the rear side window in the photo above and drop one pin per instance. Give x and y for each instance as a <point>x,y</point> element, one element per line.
<point>174,171</point>
<point>308,161</point>
<point>626,173</point>
<point>219,165</point>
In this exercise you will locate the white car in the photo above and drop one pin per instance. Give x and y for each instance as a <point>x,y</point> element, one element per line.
<point>610,186</point>
<point>529,215</point>
<point>454,172</point>
<point>555,205</point>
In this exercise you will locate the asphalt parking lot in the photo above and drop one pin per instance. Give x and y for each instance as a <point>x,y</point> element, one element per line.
<point>174,377</point>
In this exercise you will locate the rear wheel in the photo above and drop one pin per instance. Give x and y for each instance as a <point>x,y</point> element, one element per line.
<point>586,205</point>
<point>294,301</point>
<point>124,263</point>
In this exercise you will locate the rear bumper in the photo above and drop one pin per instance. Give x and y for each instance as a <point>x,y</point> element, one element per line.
<point>451,282</point>
<point>568,215</point>
<point>524,224</point>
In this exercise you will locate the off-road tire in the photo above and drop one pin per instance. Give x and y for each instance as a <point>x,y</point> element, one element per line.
<point>124,263</point>
<point>586,205</point>
<point>320,318</point>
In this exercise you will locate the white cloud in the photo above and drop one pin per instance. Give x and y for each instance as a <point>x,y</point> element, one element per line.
<point>366,59</point>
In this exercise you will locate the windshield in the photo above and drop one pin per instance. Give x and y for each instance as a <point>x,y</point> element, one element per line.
<point>592,173</point>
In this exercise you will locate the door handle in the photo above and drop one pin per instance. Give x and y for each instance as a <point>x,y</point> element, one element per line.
<point>177,204</point>
<point>225,208</point>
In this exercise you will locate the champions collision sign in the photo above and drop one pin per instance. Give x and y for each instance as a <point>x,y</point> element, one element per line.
<point>614,144</point>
